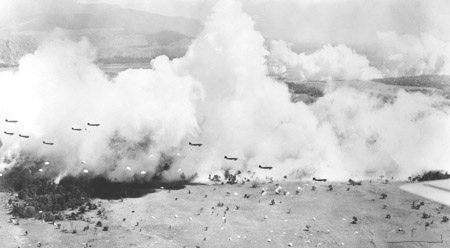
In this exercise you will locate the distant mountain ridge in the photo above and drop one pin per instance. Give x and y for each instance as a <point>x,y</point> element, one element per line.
<point>70,15</point>
<point>118,33</point>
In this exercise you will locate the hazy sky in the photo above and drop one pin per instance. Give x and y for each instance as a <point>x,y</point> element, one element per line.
<point>324,21</point>
<point>349,21</point>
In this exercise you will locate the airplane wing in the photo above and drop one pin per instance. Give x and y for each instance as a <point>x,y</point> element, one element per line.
<point>437,190</point>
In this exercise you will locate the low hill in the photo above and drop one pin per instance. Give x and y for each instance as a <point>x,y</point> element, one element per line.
<point>14,47</point>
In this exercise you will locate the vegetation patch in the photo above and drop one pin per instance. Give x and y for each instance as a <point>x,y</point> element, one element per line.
<point>433,81</point>
<point>430,175</point>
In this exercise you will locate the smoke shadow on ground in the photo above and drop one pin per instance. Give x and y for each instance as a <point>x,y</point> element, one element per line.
<point>40,191</point>
<point>103,188</point>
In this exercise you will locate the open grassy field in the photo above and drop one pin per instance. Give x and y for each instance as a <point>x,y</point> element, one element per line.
<point>194,217</point>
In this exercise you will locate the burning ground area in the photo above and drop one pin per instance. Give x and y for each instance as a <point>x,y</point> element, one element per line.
<point>266,214</point>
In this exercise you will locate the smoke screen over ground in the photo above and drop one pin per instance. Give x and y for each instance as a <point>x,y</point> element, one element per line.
<point>222,94</point>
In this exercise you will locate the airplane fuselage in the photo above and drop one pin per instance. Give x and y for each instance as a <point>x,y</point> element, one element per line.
<point>319,180</point>
<point>228,158</point>
<point>192,144</point>
<point>265,167</point>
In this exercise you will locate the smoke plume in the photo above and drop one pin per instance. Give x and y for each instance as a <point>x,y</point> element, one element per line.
<point>220,95</point>
<point>409,55</point>
<point>328,64</point>
<point>405,55</point>
<point>142,113</point>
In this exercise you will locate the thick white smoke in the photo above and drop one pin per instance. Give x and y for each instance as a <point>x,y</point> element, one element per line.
<point>399,135</point>
<point>219,95</point>
<point>405,55</point>
<point>328,64</point>
<point>248,115</point>
<point>141,113</point>
<point>409,55</point>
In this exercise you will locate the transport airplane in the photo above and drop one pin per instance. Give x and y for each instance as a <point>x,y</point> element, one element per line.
<point>265,167</point>
<point>192,144</point>
<point>234,159</point>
